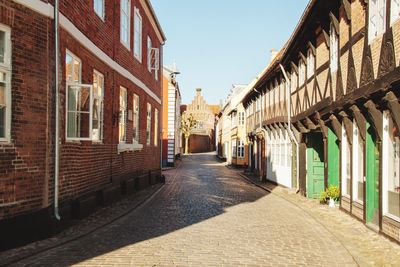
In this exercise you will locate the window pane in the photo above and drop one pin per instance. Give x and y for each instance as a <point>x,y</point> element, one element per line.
<point>2,46</point>
<point>72,99</point>
<point>68,68</point>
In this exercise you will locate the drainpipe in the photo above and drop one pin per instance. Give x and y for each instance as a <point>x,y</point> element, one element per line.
<point>290,129</point>
<point>57,132</point>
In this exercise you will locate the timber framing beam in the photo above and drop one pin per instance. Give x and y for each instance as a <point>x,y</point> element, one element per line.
<point>394,107</point>
<point>302,128</point>
<point>360,120</point>
<point>376,116</point>
<point>324,128</point>
<point>310,124</point>
<point>348,126</point>
<point>336,127</point>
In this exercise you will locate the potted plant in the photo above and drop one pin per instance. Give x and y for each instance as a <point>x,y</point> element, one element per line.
<point>330,195</point>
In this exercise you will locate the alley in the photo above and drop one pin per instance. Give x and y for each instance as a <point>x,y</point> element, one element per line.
<point>205,215</point>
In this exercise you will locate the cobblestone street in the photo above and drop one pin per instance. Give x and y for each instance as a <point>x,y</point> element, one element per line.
<point>206,215</point>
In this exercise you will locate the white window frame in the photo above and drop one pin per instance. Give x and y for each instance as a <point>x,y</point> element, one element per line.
<point>358,162</point>
<point>394,11</point>
<point>136,119</point>
<point>376,19</point>
<point>148,125</point>
<point>156,127</point>
<point>128,28</point>
<point>101,100</point>
<point>344,161</point>
<point>310,63</point>
<point>96,5</point>
<point>149,47</point>
<point>138,35</point>
<point>386,167</point>
<point>240,147</point>
<point>6,67</point>
<point>334,49</point>
<point>74,57</point>
<point>123,114</point>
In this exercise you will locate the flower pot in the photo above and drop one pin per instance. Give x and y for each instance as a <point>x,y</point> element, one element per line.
<point>331,203</point>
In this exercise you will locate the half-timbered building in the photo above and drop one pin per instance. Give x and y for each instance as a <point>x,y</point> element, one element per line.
<point>337,81</point>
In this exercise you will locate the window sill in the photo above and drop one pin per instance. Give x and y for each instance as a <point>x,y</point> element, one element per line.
<point>129,147</point>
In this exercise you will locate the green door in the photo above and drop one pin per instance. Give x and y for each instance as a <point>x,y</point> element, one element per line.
<point>333,158</point>
<point>315,165</point>
<point>371,177</point>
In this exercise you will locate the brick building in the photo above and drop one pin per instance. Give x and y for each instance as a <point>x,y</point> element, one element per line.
<point>326,111</point>
<point>110,94</point>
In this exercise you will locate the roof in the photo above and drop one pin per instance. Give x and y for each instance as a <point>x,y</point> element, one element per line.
<point>215,109</point>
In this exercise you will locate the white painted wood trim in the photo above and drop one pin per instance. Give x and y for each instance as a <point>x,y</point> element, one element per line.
<point>48,11</point>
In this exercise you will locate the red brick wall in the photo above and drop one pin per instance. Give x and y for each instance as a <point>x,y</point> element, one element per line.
<point>27,163</point>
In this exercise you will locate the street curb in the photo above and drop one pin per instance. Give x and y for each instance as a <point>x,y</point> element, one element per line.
<point>123,214</point>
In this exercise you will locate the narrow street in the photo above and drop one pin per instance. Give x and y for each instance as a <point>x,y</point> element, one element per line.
<point>206,214</point>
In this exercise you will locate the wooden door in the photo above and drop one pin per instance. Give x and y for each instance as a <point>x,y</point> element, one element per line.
<point>333,158</point>
<point>372,177</point>
<point>315,165</point>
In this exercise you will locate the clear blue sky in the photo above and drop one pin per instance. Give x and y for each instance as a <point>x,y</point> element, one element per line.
<point>217,43</point>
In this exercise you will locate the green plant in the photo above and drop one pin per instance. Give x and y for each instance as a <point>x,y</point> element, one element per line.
<point>331,192</point>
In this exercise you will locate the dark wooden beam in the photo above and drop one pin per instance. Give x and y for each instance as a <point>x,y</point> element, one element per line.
<point>312,47</point>
<point>335,22</point>
<point>347,8</point>
<point>321,123</point>
<point>294,67</point>
<point>360,120</point>
<point>394,106</point>
<point>310,124</point>
<point>376,116</point>
<point>302,128</point>
<point>336,127</point>
<point>348,126</point>
<point>327,38</point>
<point>303,57</point>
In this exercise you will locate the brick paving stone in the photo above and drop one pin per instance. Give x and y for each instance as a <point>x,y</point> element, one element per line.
<point>207,215</point>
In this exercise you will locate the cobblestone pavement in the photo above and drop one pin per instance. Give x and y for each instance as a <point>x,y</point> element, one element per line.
<point>206,215</point>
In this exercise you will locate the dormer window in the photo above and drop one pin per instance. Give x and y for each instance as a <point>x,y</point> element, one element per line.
<point>334,47</point>
<point>310,63</point>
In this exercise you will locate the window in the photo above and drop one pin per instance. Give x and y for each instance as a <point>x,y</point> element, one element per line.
<point>122,114</point>
<point>358,165</point>
<point>149,46</point>
<point>377,19</point>
<point>241,118</point>
<point>302,72</point>
<point>136,118</point>
<point>293,82</point>
<point>148,126</point>
<point>240,149</point>
<point>5,83</point>
<point>98,106</point>
<point>334,46</point>
<point>155,127</point>
<point>346,163</point>
<point>310,63</point>
<point>79,101</point>
<point>99,8</point>
<point>137,35</point>
<point>234,151</point>
<point>391,169</point>
<point>394,11</point>
<point>125,22</point>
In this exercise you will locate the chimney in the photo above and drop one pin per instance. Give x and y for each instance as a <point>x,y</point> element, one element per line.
<point>274,53</point>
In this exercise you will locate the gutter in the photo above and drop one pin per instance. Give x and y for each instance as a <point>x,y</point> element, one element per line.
<point>290,129</point>
<point>57,109</point>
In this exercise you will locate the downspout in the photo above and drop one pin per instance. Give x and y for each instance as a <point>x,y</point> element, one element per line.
<point>57,132</point>
<point>290,129</point>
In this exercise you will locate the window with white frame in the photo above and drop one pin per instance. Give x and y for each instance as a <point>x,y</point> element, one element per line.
<point>302,72</point>
<point>241,118</point>
<point>391,169</point>
<point>149,46</point>
<point>234,119</point>
<point>240,149</point>
<point>99,8</point>
<point>293,81</point>
<point>234,149</point>
<point>125,22</point>
<point>376,19</point>
<point>346,163</point>
<point>148,126</point>
<point>394,11</point>
<point>136,118</point>
<point>98,106</point>
<point>155,127</point>
<point>310,63</point>
<point>123,100</point>
<point>333,49</point>
<point>358,165</point>
<point>79,98</point>
<point>137,35</point>
<point>5,83</point>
